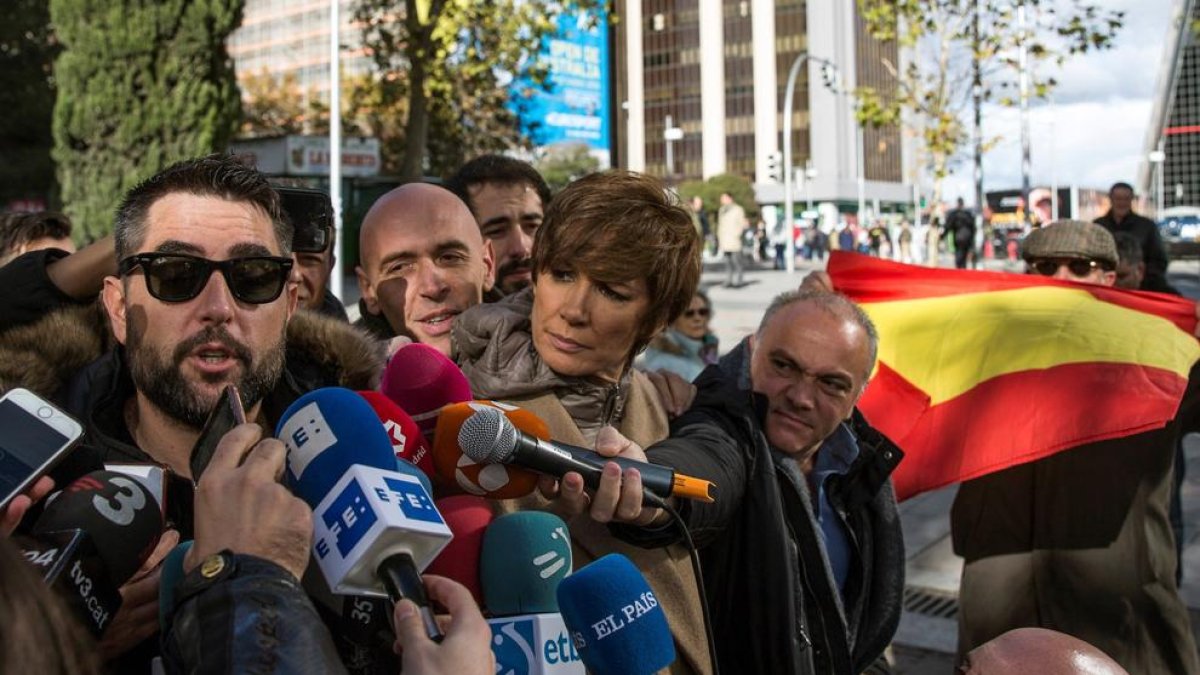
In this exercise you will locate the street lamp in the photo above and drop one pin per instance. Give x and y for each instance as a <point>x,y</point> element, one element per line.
<point>1157,158</point>
<point>788,99</point>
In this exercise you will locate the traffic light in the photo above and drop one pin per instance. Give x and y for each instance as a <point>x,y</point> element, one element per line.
<point>775,166</point>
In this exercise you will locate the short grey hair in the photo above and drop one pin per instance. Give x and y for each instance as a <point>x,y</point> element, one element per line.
<point>837,305</point>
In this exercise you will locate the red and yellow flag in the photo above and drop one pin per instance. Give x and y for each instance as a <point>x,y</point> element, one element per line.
<point>980,371</point>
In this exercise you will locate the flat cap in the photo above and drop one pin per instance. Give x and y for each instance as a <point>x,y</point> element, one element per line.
<point>1070,239</point>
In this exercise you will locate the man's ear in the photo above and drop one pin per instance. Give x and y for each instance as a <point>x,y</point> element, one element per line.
<point>1108,278</point>
<point>367,290</point>
<point>489,265</point>
<point>113,297</point>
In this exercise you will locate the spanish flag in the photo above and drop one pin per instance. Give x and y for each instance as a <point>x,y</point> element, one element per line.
<point>980,371</point>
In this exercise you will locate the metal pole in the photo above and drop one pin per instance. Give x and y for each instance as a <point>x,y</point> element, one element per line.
<point>335,140</point>
<point>1023,64</point>
<point>788,215</point>
<point>862,175</point>
<point>1053,167</point>
<point>670,146</point>
<point>1162,165</point>
<point>977,102</point>
<point>808,184</point>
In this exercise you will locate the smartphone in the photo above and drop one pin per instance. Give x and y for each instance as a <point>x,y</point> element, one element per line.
<point>226,415</point>
<point>311,214</point>
<point>34,436</point>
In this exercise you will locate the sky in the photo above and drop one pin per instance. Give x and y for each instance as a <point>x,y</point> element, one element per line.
<point>1094,133</point>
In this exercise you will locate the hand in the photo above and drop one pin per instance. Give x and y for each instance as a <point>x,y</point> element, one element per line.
<point>467,649</point>
<point>675,393</point>
<point>619,496</point>
<point>241,506</point>
<point>12,514</point>
<point>817,281</point>
<point>137,619</point>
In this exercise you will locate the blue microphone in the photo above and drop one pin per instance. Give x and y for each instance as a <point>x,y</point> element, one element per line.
<point>614,619</point>
<point>524,557</point>
<point>375,528</point>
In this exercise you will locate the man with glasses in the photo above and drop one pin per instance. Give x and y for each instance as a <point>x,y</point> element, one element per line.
<point>204,297</point>
<point>1078,542</point>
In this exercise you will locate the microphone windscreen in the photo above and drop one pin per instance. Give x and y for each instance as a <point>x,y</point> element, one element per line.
<point>525,556</point>
<point>494,481</point>
<point>408,442</point>
<point>468,517</point>
<point>172,576</point>
<point>122,518</point>
<point>327,431</point>
<point>421,380</point>
<point>615,621</point>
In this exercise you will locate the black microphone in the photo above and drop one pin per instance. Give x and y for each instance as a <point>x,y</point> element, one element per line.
<point>489,438</point>
<point>91,539</point>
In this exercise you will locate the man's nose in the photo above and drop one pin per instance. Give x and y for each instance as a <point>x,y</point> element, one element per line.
<point>216,300</point>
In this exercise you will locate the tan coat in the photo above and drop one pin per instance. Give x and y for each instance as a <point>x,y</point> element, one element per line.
<point>731,223</point>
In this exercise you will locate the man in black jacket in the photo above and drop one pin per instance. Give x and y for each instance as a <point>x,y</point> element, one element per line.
<point>1121,218</point>
<point>803,537</point>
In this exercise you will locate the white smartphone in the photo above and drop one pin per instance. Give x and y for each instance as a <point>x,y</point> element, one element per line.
<point>34,435</point>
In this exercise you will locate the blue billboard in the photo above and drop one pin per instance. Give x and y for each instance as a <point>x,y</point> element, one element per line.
<point>575,105</point>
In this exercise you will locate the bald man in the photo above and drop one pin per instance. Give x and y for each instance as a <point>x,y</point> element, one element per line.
<point>1038,650</point>
<point>422,263</point>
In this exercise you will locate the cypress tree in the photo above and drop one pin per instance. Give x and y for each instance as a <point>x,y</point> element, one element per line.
<point>141,84</point>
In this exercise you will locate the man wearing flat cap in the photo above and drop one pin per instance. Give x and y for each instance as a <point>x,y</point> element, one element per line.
<point>1078,542</point>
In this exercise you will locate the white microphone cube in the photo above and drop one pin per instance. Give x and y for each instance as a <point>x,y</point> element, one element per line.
<point>370,515</point>
<point>536,644</point>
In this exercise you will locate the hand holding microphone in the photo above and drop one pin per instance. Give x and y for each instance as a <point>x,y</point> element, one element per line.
<point>466,649</point>
<point>11,515</point>
<point>619,495</point>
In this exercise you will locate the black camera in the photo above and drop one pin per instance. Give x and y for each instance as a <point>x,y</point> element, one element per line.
<point>311,214</point>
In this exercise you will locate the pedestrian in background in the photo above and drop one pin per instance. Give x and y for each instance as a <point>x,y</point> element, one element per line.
<point>731,226</point>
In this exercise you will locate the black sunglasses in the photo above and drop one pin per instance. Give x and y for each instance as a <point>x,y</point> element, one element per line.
<point>702,312</point>
<point>178,277</point>
<point>1047,267</point>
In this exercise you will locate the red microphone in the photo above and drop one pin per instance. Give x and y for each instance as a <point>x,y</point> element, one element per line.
<point>408,442</point>
<point>421,380</point>
<point>494,481</point>
<point>467,516</point>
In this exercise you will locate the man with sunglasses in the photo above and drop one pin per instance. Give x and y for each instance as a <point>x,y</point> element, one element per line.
<point>1079,542</point>
<point>204,297</point>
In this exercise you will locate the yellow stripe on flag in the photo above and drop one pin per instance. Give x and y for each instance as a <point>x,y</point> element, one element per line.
<point>947,345</point>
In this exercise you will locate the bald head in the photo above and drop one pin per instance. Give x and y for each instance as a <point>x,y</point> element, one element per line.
<point>1038,650</point>
<point>422,261</point>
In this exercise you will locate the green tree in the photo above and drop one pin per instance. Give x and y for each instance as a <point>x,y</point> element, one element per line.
<point>140,85</point>
<point>273,106</point>
<point>27,51</point>
<point>934,89</point>
<point>567,162</point>
<point>710,191</point>
<point>451,62</point>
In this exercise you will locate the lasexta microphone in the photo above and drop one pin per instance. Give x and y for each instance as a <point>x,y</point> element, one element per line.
<point>460,471</point>
<point>614,619</point>
<point>91,539</point>
<point>488,437</point>
<point>468,517</point>
<point>421,380</point>
<point>408,442</point>
<point>375,528</point>
<point>525,556</point>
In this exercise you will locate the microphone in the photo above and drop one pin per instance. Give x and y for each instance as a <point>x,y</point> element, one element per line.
<point>91,539</point>
<point>488,437</point>
<point>468,517</point>
<point>421,380</point>
<point>375,528</point>
<point>525,556</point>
<point>494,481</point>
<point>408,441</point>
<point>614,619</point>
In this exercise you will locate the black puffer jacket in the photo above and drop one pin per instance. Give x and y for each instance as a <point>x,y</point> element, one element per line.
<point>1153,251</point>
<point>765,572</point>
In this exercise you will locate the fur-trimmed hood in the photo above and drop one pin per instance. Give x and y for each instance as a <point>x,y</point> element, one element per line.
<point>44,356</point>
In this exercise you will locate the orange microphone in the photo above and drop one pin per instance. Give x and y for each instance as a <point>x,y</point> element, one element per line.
<point>494,481</point>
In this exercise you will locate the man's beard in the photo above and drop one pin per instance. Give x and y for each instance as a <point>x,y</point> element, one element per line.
<point>163,384</point>
<point>513,267</point>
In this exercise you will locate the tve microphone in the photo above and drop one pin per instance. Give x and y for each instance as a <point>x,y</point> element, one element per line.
<point>92,538</point>
<point>614,619</point>
<point>468,517</point>
<point>374,527</point>
<point>495,481</point>
<point>421,380</point>
<point>488,437</point>
<point>525,556</point>
<point>408,441</point>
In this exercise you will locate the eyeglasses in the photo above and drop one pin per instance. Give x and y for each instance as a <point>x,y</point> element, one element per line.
<point>178,277</point>
<point>703,312</point>
<point>1048,267</point>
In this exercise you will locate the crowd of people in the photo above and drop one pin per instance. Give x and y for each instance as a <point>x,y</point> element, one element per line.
<point>584,308</point>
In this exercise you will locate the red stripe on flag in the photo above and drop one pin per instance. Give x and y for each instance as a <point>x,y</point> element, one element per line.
<point>1014,418</point>
<point>866,279</point>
